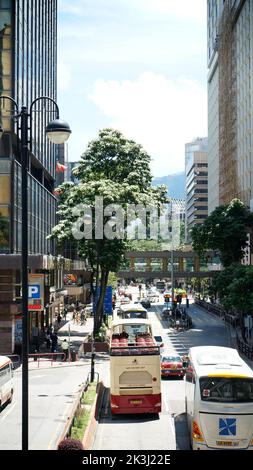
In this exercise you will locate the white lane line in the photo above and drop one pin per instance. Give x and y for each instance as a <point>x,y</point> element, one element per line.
<point>9,411</point>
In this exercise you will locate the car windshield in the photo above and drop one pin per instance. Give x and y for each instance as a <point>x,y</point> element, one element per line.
<point>226,389</point>
<point>171,359</point>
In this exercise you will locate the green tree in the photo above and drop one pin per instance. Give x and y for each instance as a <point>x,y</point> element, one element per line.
<point>116,169</point>
<point>234,286</point>
<point>226,230</point>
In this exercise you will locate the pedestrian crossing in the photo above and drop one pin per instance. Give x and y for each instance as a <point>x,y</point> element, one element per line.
<point>179,342</point>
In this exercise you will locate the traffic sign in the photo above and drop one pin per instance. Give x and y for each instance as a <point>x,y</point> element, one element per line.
<point>107,300</point>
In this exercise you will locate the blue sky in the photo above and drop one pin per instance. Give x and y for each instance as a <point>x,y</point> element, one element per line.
<point>138,66</point>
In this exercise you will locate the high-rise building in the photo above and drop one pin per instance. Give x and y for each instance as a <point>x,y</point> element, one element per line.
<point>28,61</point>
<point>230,97</point>
<point>214,13</point>
<point>196,177</point>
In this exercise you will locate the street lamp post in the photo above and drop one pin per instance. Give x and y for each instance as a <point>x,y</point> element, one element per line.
<point>58,132</point>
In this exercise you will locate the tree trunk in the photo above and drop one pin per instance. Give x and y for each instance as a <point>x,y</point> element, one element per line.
<point>100,305</point>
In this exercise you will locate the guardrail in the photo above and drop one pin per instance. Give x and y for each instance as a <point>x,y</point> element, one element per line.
<point>244,348</point>
<point>52,357</point>
<point>213,308</point>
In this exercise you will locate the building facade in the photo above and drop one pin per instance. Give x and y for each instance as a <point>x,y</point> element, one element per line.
<point>196,177</point>
<point>28,61</point>
<point>230,99</point>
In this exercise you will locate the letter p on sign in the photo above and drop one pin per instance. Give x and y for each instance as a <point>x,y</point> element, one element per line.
<point>34,291</point>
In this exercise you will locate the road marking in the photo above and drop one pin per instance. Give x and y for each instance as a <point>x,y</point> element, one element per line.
<point>9,411</point>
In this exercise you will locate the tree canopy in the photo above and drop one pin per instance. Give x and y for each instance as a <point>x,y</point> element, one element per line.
<point>117,170</point>
<point>225,229</point>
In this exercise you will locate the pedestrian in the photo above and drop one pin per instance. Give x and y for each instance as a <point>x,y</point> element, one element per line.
<point>82,317</point>
<point>59,319</point>
<point>48,339</point>
<point>65,311</point>
<point>35,338</point>
<point>74,316</point>
<point>54,340</point>
<point>65,348</point>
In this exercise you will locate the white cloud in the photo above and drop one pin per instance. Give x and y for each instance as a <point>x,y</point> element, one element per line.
<point>63,76</point>
<point>180,9</point>
<point>159,113</point>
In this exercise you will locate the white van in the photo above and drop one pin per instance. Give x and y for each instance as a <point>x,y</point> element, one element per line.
<point>6,380</point>
<point>219,399</point>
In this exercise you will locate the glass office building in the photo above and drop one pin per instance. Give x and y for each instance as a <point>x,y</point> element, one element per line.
<point>28,61</point>
<point>28,71</point>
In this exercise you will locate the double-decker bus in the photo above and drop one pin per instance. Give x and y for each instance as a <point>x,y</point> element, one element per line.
<point>135,376</point>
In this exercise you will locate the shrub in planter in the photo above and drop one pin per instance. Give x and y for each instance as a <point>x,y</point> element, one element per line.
<point>70,444</point>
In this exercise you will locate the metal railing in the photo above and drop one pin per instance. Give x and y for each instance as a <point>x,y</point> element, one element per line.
<point>244,348</point>
<point>49,357</point>
<point>232,320</point>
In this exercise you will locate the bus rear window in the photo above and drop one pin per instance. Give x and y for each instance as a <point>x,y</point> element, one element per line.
<point>226,389</point>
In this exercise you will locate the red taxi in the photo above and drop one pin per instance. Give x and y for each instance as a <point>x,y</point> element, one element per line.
<point>171,365</point>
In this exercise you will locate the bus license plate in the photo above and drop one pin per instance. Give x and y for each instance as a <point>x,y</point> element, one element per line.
<point>227,443</point>
<point>136,402</point>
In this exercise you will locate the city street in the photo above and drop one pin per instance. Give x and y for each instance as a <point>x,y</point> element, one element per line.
<point>53,391</point>
<point>169,431</point>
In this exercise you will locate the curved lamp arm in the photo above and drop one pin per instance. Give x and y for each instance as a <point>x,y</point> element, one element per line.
<point>48,99</point>
<point>9,98</point>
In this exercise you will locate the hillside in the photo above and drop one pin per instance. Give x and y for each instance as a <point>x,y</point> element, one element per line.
<point>175,184</point>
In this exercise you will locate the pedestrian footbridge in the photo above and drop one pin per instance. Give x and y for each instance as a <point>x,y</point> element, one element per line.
<point>160,264</point>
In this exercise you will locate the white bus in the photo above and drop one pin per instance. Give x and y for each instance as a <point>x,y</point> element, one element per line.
<point>219,399</point>
<point>6,380</point>
<point>132,311</point>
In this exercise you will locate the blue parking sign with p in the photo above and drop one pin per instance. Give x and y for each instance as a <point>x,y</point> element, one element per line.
<point>34,291</point>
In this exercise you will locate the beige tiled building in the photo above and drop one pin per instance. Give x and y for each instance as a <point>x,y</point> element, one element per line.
<point>196,177</point>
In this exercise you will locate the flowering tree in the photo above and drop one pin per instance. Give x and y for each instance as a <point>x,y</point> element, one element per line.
<point>113,173</point>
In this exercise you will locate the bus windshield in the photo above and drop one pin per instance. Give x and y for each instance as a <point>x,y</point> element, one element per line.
<point>133,314</point>
<point>226,389</point>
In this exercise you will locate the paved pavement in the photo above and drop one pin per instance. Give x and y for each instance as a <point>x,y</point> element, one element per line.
<point>75,334</point>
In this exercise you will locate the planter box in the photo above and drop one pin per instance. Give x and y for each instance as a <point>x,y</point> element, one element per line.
<point>99,346</point>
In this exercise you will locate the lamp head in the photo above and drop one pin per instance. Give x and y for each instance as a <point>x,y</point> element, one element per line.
<point>58,131</point>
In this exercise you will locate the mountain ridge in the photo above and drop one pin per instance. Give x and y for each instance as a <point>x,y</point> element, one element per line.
<point>175,183</point>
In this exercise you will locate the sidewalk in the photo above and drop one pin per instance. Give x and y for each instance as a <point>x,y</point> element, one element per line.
<point>76,333</point>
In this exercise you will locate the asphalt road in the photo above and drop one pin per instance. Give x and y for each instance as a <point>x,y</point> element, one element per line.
<point>54,390</point>
<point>52,393</point>
<point>169,431</point>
